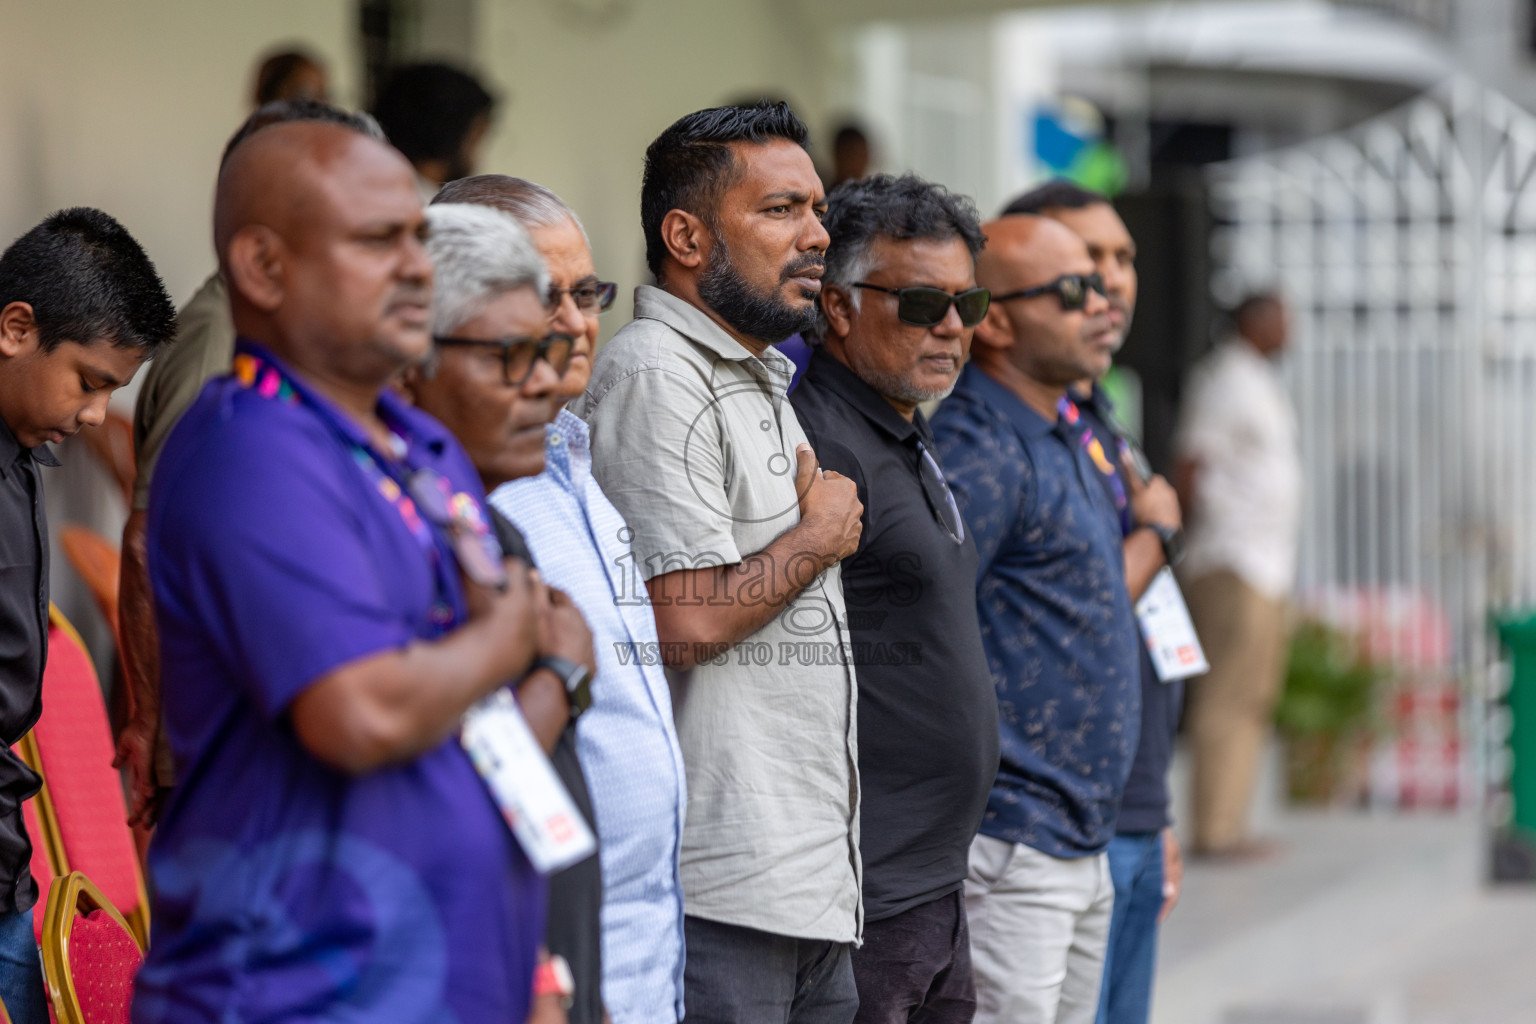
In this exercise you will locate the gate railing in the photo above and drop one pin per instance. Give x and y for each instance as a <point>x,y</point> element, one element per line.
<point>1406,249</point>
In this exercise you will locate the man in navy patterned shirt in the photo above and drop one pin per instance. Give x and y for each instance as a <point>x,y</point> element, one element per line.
<point>1056,622</point>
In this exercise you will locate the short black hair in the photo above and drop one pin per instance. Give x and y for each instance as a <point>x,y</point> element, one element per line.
<point>690,165</point>
<point>87,279</point>
<point>1057,194</point>
<point>299,109</point>
<point>275,71</point>
<point>901,207</point>
<point>426,110</point>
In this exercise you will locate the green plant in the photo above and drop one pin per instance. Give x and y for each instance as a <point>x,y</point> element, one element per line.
<point>1327,709</point>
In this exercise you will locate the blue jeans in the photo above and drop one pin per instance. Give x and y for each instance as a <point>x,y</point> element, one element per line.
<point>21,971</point>
<point>1136,867</point>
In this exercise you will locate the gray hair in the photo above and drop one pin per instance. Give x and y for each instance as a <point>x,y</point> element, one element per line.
<point>478,254</point>
<point>532,204</point>
<point>904,208</point>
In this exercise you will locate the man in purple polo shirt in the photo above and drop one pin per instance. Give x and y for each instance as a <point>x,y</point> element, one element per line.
<point>330,854</point>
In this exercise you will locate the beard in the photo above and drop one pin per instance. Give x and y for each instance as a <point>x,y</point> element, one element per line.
<point>895,386</point>
<point>762,316</point>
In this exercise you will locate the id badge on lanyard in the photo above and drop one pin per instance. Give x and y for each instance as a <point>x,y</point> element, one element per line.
<point>534,801</point>
<point>1169,631</point>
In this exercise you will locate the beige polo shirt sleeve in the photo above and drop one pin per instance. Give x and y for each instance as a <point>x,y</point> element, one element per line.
<point>660,433</point>
<point>203,348</point>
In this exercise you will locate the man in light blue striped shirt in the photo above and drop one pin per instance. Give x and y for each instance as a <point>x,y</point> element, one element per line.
<point>626,740</point>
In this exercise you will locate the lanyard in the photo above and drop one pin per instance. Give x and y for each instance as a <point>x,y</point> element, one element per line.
<point>269,381</point>
<point>1070,412</point>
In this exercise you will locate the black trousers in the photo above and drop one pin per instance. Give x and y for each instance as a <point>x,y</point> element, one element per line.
<point>916,966</point>
<point>738,975</point>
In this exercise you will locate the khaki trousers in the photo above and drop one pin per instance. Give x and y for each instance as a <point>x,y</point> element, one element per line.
<point>1231,708</point>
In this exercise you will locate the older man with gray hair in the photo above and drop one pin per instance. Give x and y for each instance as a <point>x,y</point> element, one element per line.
<point>627,741</point>
<point>491,380</point>
<point>899,302</point>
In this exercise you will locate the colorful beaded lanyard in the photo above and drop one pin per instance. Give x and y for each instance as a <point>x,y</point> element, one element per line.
<point>268,381</point>
<point>1089,440</point>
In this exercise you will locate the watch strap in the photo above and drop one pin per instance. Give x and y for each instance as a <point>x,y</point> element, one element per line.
<point>574,676</point>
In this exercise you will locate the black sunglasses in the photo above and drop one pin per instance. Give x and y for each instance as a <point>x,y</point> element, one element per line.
<point>518,355</point>
<point>590,296</point>
<point>923,306</point>
<point>940,498</point>
<point>1071,289</point>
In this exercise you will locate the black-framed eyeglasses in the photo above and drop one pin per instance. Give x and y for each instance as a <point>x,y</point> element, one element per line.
<point>1071,289</point>
<point>922,306</point>
<point>940,498</point>
<point>589,296</point>
<point>518,355</point>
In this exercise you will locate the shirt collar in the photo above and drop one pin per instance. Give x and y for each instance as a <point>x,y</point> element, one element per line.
<point>1097,400</point>
<point>572,430</point>
<point>1005,403</point>
<point>693,323</point>
<point>567,448</point>
<point>417,427</point>
<point>828,372</point>
<point>12,452</point>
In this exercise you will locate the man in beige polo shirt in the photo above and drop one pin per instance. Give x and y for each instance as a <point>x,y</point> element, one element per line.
<point>737,536</point>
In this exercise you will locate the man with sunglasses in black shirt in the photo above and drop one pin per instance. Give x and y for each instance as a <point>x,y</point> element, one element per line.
<point>899,301</point>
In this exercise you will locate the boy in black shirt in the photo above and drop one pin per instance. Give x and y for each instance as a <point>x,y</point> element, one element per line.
<point>81,309</point>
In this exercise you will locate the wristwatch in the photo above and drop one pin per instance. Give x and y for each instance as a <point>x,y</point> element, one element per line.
<point>577,680</point>
<point>1172,538</point>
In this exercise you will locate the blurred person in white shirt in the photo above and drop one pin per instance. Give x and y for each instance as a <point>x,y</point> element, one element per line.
<point>1240,480</point>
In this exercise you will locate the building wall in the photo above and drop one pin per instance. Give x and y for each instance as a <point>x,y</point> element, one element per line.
<point>127,106</point>
<point>585,93</point>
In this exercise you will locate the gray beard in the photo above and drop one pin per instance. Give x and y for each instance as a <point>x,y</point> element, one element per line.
<point>902,390</point>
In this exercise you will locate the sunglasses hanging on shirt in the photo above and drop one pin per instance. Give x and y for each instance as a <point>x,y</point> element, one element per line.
<point>940,498</point>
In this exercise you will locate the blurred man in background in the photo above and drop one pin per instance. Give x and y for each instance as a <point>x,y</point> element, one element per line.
<point>294,74</point>
<point>331,851</point>
<point>627,741</point>
<point>438,116</point>
<point>203,348</point>
<point>1144,857</point>
<point>1240,477</point>
<point>81,308</point>
<point>850,155</point>
<point>738,537</point>
<point>1056,620</point>
<point>899,302</point>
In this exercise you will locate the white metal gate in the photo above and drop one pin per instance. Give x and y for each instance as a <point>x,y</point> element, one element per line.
<point>1406,248</point>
